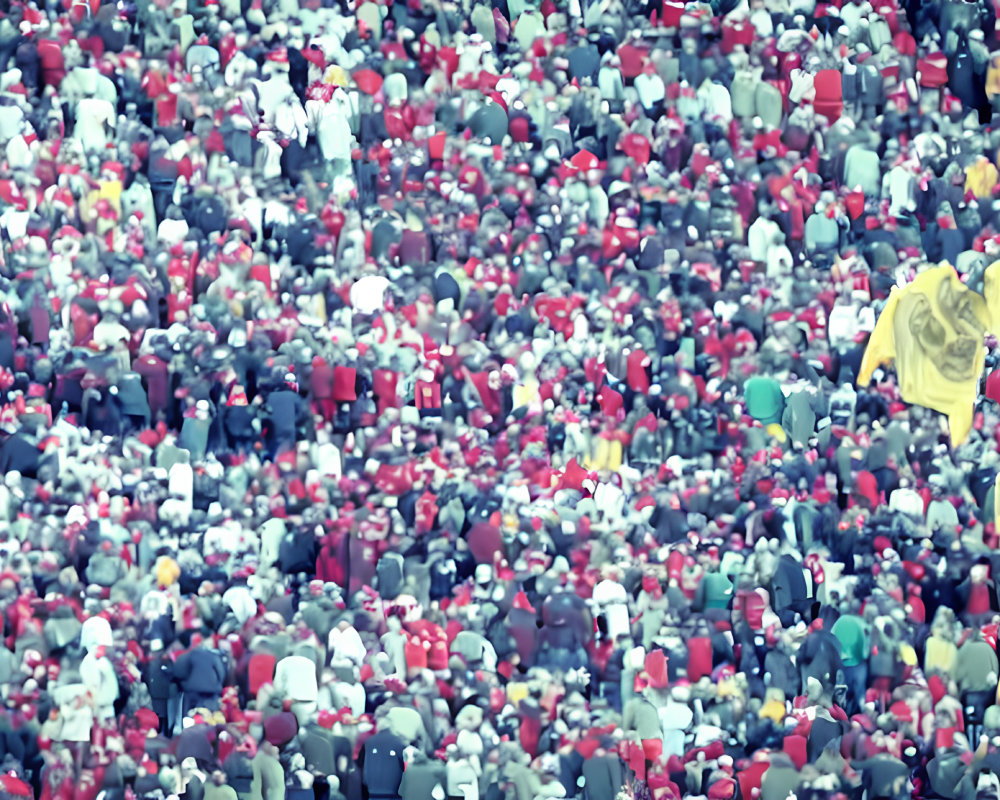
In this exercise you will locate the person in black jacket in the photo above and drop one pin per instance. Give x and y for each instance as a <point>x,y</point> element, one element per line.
<point>382,768</point>
<point>201,675</point>
<point>159,678</point>
<point>237,422</point>
<point>604,775</point>
<point>287,410</point>
<point>788,588</point>
<point>297,552</point>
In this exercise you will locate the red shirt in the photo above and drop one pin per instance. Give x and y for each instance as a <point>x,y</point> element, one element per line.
<point>635,371</point>
<point>428,395</point>
<point>344,379</point>
<point>384,387</point>
<point>979,599</point>
<point>154,370</point>
<point>752,606</point>
<point>321,381</point>
<point>699,658</point>
<point>53,64</point>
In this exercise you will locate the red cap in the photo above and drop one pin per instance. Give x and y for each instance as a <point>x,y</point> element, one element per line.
<point>521,602</point>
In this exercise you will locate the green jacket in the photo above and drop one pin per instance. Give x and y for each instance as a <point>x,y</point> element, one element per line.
<point>213,792</point>
<point>268,778</point>
<point>855,641</point>
<point>764,400</point>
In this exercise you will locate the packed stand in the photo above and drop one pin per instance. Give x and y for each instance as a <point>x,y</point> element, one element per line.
<point>457,400</point>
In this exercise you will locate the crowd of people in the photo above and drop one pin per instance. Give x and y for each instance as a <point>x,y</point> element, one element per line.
<point>479,399</point>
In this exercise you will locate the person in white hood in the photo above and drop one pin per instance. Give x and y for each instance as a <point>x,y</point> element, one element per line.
<point>95,632</point>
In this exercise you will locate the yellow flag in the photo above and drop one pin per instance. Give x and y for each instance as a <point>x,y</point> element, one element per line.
<point>526,393</point>
<point>991,291</point>
<point>933,329</point>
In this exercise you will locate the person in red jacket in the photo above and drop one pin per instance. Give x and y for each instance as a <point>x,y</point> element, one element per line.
<point>321,388</point>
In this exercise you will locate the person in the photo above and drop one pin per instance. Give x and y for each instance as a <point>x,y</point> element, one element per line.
<point>295,680</point>
<point>382,767</point>
<point>159,680</point>
<point>201,675</point>
<point>100,681</point>
<point>268,775</point>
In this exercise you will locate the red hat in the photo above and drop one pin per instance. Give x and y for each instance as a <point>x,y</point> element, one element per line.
<point>722,789</point>
<point>116,167</point>
<point>147,719</point>
<point>587,747</point>
<point>314,55</point>
<point>280,728</point>
<point>368,81</point>
<point>521,602</point>
<point>69,230</point>
<point>585,160</point>
<point>901,711</point>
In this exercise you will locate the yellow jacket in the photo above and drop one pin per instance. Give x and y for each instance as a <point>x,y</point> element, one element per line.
<point>607,454</point>
<point>981,177</point>
<point>940,655</point>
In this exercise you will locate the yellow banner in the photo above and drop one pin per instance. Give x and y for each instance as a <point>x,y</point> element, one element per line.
<point>933,330</point>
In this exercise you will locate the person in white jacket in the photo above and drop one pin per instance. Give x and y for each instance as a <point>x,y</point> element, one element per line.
<point>76,717</point>
<point>295,680</point>
<point>339,692</point>
<point>240,602</point>
<point>611,604</point>
<point>346,647</point>
<point>899,187</point>
<point>675,715</point>
<point>96,118</point>
<point>98,675</point>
